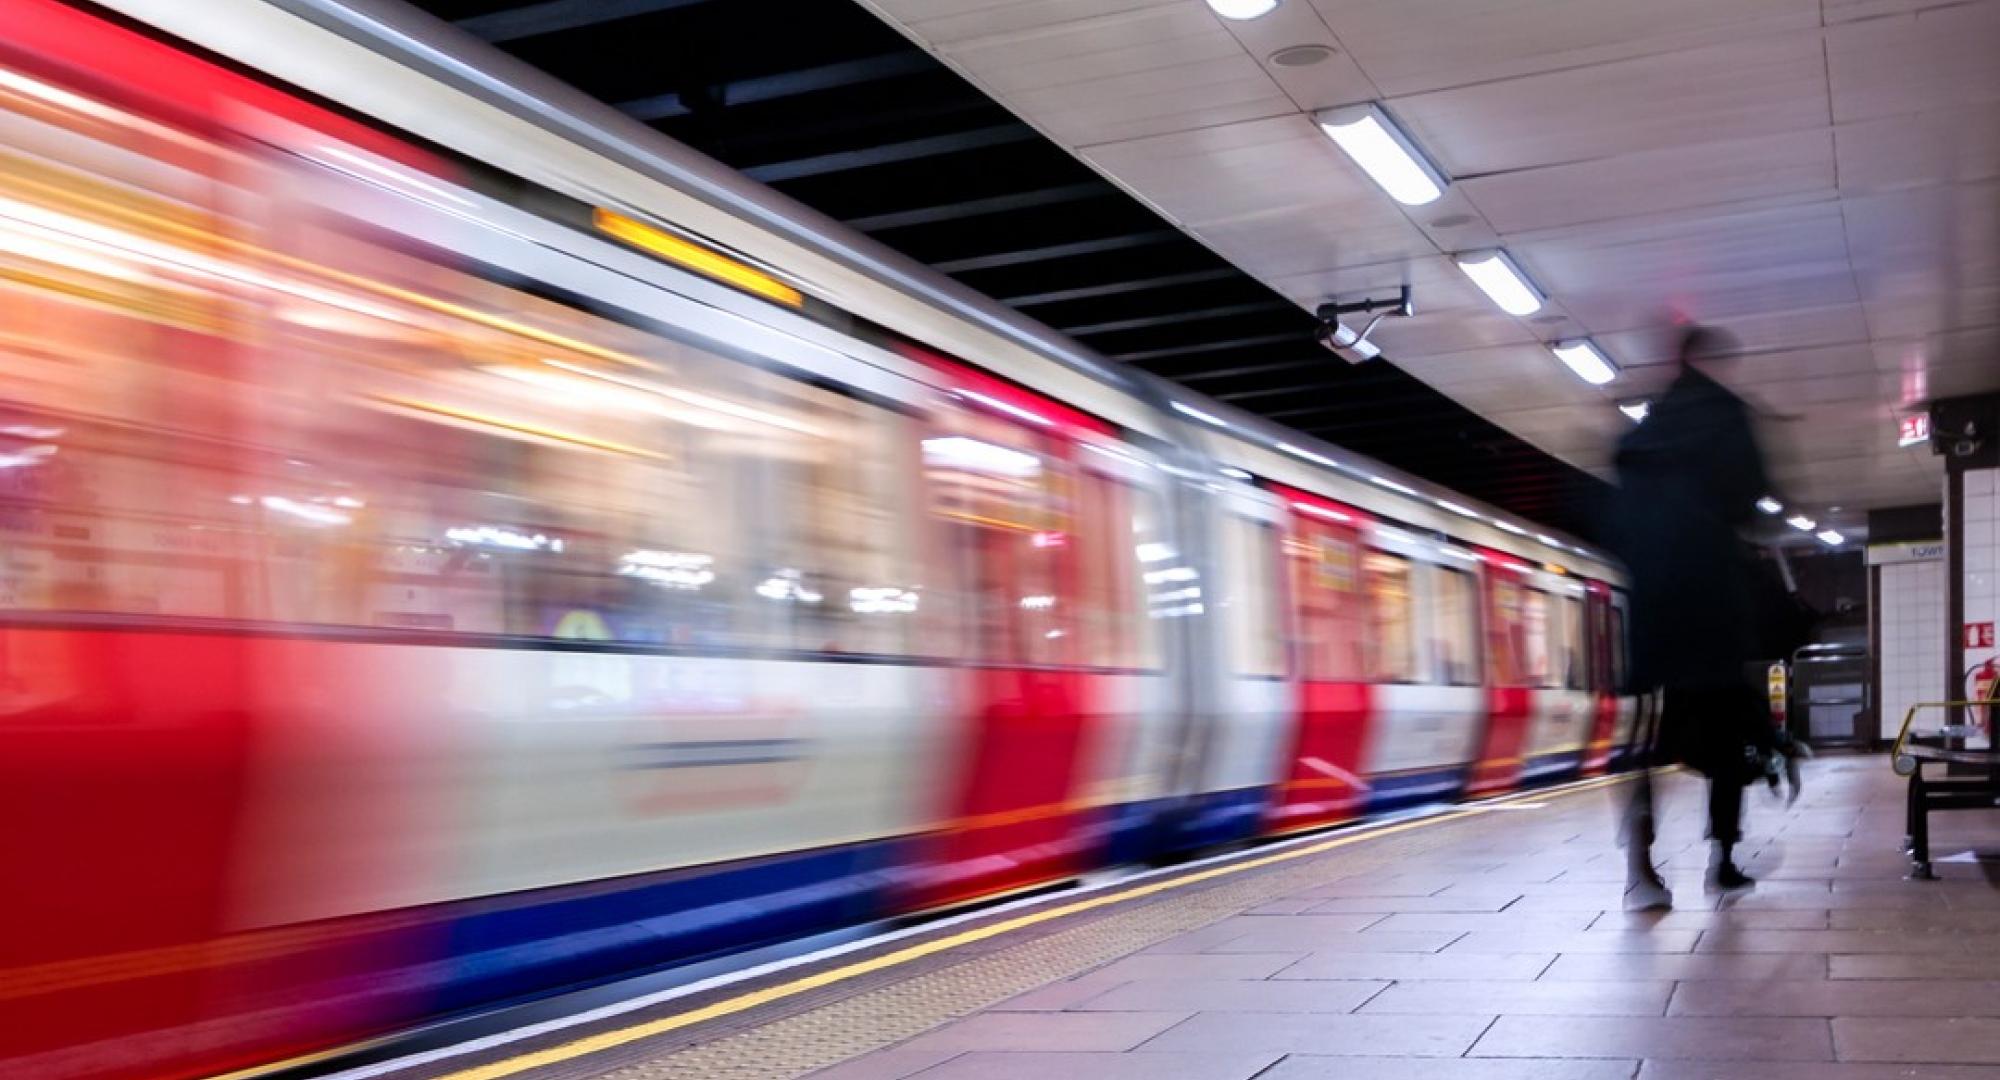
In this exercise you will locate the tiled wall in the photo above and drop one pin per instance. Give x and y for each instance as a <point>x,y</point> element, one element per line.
<point>1982,555</point>
<point>1911,616</point>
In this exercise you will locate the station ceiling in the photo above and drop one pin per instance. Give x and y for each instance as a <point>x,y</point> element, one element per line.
<point>1821,177</point>
<point>828,103</point>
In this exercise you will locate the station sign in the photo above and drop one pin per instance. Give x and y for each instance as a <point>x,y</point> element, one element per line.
<point>1924,551</point>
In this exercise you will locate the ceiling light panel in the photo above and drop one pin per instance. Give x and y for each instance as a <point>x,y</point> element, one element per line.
<point>1242,9</point>
<point>1588,362</point>
<point>1389,157</point>
<point>1502,281</point>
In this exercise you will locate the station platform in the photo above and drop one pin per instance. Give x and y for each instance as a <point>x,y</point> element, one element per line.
<point>1487,942</point>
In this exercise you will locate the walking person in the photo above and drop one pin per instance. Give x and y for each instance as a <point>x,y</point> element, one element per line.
<point>1689,477</point>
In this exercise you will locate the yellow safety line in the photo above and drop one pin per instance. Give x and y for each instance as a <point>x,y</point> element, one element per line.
<point>610,1040</point>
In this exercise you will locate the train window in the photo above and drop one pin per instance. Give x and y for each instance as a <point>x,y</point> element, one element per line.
<point>1003,498</point>
<point>1247,595</point>
<point>1392,655</point>
<point>1575,646</point>
<point>116,417</point>
<point>1517,643</point>
<point>1536,640</point>
<point>1331,605</point>
<point>1455,625</point>
<point>1618,646</point>
<point>1151,550</point>
<point>1112,627</point>
<point>390,441</point>
<point>563,475</point>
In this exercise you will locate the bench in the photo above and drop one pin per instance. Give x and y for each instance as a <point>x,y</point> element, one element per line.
<point>1971,779</point>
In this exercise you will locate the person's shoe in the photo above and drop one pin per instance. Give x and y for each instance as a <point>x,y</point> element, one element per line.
<point>1729,878</point>
<point>1648,893</point>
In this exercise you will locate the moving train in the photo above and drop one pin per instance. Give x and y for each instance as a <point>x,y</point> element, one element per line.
<point>463,556</point>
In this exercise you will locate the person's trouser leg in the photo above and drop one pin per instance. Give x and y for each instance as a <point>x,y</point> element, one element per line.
<point>1725,812</point>
<point>1638,828</point>
<point>1638,825</point>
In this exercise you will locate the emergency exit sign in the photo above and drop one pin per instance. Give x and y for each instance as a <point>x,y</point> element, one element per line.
<point>1913,430</point>
<point>1979,635</point>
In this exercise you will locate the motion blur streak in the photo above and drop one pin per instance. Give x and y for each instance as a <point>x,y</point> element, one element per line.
<point>415,600</point>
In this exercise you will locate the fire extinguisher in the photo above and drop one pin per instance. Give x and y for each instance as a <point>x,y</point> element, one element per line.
<point>1986,689</point>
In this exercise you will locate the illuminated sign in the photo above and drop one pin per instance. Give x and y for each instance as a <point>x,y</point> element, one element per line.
<point>1913,430</point>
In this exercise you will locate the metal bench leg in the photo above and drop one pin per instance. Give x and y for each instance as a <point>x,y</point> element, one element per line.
<point>1920,829</point>
<point>1910,812</point>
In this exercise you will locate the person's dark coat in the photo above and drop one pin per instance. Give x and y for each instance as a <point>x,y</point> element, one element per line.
<point>1688,477</point>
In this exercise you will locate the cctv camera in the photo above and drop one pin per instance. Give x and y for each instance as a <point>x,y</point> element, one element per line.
<point>1353,345</point>
<point>1345,342</point>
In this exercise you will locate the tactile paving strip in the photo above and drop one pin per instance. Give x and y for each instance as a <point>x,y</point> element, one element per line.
<point>828,1032</point>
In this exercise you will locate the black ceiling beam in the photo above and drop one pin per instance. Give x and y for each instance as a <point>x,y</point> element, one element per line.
<point>1118,288</point>
<point>1342,402</point>
<point>889,153</point>
<point>1298,388</point>
<point>1172,318</point>
<point>1204,347</point>
<point>1211,374</point>
<point>555,16</point>
<point>970,208</point>
<point>785,84</point>
<point>1146,238</point>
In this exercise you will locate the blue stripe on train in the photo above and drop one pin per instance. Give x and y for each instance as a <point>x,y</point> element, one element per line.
<point>1403,791</point>
<point>1130,832</point>
<point>1552,768</point>
<point>509,947</point>
<point>1223,817</point>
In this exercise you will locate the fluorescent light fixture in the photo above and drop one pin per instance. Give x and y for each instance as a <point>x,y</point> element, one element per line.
<point>1367,135</point>
<point>1462,511</point>
<point>1302,452</point>
<point>1234,473</point>
<point>1509,526</point>
<point>1587,360</point>
<point>1801,522</point>
<point>1497,276</point>
<point>1770,506</point>
<point>1549,540</point>
<point>1383,481</point>
<point>1242,9</point>
<point>1636,411</point>
<point>1830,537</point>
<point>1207,418</point>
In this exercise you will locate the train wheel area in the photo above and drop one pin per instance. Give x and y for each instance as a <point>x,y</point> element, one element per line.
<point>1490,940</point>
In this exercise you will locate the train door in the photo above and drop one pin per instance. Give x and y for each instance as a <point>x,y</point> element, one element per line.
<point>1004,492</point>
<point>1515,646</point>
<point>1564,709</point>
<point>1234,746</point>
<point>1333,704</point>
<point>1604,692</point>
<point>1127,595</point>
<point>1424,667</point>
